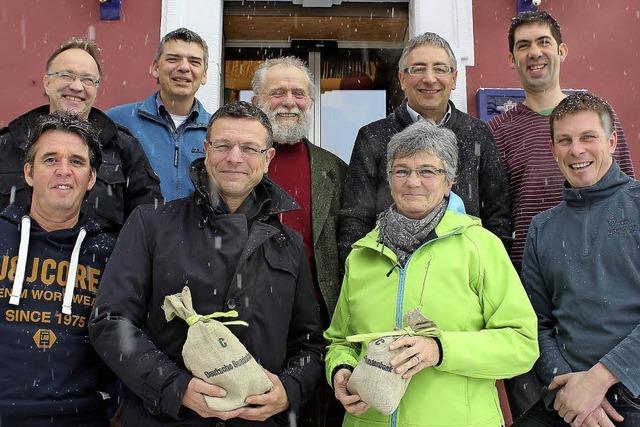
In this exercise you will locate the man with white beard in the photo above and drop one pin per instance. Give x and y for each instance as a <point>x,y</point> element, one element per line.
<point>313,177</point>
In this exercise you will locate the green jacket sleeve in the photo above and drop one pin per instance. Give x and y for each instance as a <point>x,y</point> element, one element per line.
<point>339,350</point>
<point>507,346</point>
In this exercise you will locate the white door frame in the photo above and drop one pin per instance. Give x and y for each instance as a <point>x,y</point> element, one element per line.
<point>452,19</point>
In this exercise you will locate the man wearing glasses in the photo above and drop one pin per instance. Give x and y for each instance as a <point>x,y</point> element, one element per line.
<point>427,73</point>
<point>225,242</point>
<point>125,178</point>
<point>313,176</point>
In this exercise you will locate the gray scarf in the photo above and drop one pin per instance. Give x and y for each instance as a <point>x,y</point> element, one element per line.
<point>404,235</point>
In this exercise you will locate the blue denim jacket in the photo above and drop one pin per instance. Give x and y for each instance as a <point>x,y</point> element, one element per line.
<point>170,151</point>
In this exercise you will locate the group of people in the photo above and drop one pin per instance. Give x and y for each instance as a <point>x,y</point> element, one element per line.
<point>106,214</point>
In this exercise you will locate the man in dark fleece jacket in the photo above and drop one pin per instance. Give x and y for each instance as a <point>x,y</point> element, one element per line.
<point>581,267</point>
<point>125,179</point>
<point>427,75</point>
<point>227,244</point>
<point>51,262</point>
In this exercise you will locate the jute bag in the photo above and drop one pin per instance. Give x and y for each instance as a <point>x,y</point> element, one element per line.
<point>213,354</point>
<point>373,379</point>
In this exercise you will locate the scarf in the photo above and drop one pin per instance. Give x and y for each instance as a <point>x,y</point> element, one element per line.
<point>404,235</point>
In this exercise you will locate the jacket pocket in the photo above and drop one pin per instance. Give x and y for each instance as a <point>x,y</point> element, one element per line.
<point>283,273</point>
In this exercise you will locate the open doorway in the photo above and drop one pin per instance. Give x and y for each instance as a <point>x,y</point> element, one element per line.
<point>352,51</point>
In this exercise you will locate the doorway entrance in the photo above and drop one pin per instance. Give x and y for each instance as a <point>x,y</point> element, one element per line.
<point>352,51</point>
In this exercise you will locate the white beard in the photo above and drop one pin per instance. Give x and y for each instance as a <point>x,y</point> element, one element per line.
<point>292,131</point>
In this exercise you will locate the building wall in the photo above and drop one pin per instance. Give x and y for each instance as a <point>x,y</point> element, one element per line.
<point>604,53</point>
<point>603,39</point>
<point>32,29</point>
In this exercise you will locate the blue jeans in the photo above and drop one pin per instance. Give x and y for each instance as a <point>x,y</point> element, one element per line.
<point>618,396</point>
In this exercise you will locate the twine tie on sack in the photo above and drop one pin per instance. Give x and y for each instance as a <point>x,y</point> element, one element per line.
<point>195,318</point>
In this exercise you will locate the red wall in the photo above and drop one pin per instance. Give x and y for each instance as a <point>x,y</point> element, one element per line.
<point>603,39</point>
<point>32,29</point>
<point>604,53</point>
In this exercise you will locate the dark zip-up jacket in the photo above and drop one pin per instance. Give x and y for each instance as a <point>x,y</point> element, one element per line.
<point>481,181</point>
<point>49,367</point>
<point>247,261</point>
<point>581,268</point>
<point>125,178</point>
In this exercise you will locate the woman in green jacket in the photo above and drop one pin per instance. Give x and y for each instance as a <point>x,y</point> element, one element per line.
<point>458,274</point>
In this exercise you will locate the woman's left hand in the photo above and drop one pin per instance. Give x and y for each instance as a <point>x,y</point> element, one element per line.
<point>418,353</point>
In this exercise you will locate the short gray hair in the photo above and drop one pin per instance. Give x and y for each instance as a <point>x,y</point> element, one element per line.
<point>425,136</point>
<point>428,39</point>
<point>257,82</point>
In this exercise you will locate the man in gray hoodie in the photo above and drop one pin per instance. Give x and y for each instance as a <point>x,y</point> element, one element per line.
<point>581,267</point>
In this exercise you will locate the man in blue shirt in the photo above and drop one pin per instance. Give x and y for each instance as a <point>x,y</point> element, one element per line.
<point>171,124</point>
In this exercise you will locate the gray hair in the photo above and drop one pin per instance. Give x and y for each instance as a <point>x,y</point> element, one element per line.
<point>428,39</point>
<point>425,136</point>
<point>257,82</point>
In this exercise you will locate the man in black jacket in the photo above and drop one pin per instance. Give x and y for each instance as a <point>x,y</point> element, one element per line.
<point>125,179</point>
<point>427,73</point>
<point>227,244</point>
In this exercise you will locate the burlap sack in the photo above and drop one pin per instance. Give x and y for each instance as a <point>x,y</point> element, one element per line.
<point>373,379</point>
<point>213,354</point>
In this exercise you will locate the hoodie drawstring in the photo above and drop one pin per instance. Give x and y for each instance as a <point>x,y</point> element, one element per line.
<point>23,249</point>
<point>71,277</point>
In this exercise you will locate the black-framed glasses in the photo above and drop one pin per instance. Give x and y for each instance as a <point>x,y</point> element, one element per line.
<point>245,150</point>
<point>69,77</point>
<point>421,70</point>
<point>425,172</point>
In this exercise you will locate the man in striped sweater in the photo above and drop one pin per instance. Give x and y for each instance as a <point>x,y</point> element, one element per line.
<point>523,138</point>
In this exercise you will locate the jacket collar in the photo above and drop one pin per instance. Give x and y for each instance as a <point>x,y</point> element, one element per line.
<point>152,107</point>
<point>21,126</point>
<point>404,118</point>
<point>608,185</point>
<point>267,198</point>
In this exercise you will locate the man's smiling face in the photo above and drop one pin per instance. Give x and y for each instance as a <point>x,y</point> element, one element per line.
<point>71,96</point>
<point>536,56</point>
<point>582,148</point>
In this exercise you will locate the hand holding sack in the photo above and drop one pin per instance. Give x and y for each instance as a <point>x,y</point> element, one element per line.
<point>374,379</point>
<point>213,354</point>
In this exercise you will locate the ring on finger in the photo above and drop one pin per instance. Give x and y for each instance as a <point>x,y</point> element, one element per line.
<point>417,358</point>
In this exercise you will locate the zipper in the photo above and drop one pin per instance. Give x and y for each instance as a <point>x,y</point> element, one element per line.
<point>400,295</point>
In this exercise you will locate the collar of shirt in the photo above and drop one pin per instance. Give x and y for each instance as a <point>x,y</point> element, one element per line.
<point>162,110</point>
<point>415,116</point>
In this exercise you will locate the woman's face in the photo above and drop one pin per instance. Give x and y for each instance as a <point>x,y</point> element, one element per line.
<point>418,184</point>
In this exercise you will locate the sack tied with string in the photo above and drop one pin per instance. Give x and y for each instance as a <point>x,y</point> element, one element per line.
<point>374,379</point>
<point>213,354</point>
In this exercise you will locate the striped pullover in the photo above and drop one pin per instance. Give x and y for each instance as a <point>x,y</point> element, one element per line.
<point>535,182</point>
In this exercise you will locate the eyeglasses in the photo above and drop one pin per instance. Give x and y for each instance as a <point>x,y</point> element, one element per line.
<point>421,70</point>
<point>424,173</point>
<point>245,150</point>
<point>68,77</point>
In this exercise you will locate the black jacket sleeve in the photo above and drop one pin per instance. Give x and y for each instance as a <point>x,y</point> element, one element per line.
<point>495,204</point>
<point>143,185</point>
<point>119,313</point>
<point>358,210</point>
<point>305,345</point>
